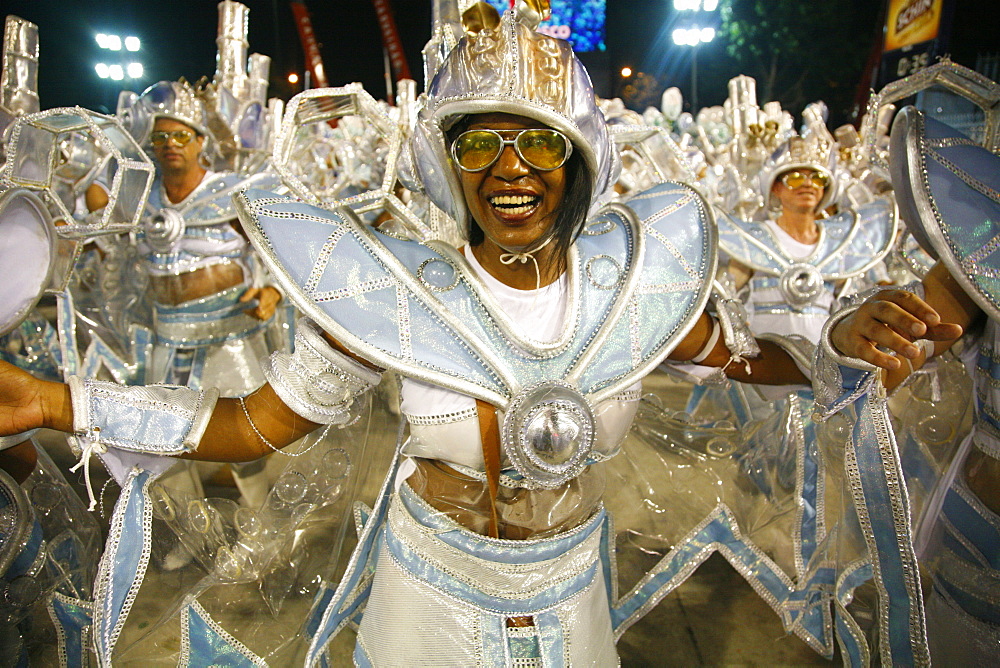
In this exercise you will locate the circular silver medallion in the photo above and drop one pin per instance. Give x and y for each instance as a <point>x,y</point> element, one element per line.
<point>800,284</point>
<point>163,229</point>
<point>548,433</point>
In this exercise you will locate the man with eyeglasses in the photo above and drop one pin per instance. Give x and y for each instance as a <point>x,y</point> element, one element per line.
<point>210,306</point>
<point>791,269</point>
<point>177,147</point>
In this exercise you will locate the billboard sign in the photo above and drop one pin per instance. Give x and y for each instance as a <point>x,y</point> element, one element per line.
<point>913,37</point>
<point>911,22</point>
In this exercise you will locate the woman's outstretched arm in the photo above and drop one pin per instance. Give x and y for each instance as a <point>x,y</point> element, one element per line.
<point>28,403</point>
<point>774,366</point>
<point>316,384</point>
<point>230,436</point>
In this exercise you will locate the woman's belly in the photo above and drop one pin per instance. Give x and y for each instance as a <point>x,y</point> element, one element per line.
<point>522,513</point>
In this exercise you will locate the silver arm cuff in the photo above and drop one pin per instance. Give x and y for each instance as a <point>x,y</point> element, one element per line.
<point>155,419</point>
<point>916,287</point>
<point>695,373</point>
<point>838,380</point>
<point>732,316</point>
<point>316,381</point>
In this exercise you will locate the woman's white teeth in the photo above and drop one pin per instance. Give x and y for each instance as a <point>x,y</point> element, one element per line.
<point>514,204</point>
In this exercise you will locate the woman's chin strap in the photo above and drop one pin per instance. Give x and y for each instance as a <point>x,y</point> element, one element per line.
<point>510,257</point>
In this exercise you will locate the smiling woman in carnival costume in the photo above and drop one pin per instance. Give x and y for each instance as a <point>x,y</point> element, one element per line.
<point>522,354</point>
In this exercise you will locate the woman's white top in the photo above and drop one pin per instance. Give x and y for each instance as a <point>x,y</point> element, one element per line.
<point>444,424</point>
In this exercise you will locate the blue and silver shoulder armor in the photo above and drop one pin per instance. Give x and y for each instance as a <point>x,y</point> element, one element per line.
<point>850,243</point>
<point>638,276</point>
<point>212,201</point>
<point>948,187</point>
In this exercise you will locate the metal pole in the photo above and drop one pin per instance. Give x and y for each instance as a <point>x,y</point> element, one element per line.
<point>694,79</point>
<point>388,76</point>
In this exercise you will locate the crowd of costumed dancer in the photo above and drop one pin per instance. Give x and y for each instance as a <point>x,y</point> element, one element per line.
<point>417,335</point>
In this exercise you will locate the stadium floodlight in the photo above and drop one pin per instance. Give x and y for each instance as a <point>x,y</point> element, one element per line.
<point>132,43</point>
<point>134,70</point>
<point>102,70</point>
<point>116,72</point>
<point>114,42</point>
<point>696,5</point>
<point>693,36</point>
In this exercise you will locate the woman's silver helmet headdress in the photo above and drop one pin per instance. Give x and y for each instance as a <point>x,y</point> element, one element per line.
<point>512,69</point>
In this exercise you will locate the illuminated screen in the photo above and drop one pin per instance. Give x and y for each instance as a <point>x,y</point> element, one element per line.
<point>580,22</point>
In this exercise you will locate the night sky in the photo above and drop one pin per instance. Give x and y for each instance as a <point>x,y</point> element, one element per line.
<point>178,39</point>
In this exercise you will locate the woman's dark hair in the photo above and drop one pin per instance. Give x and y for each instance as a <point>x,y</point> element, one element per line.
<point>571,214</point>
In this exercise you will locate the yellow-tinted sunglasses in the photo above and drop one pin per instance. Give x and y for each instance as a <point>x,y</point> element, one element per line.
<point>179,137</point>
<point>797,179</point>
<point>544,149</point>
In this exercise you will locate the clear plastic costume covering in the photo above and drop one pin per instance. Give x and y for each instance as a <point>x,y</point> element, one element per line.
<point>255,575</point>
<point>943,185</point>
<point>49,546</point>
<point>756,479</point>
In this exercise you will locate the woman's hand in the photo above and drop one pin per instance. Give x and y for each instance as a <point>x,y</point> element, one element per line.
<point>268,298</point>
<point>891,319</point>
<point>28,403</point>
